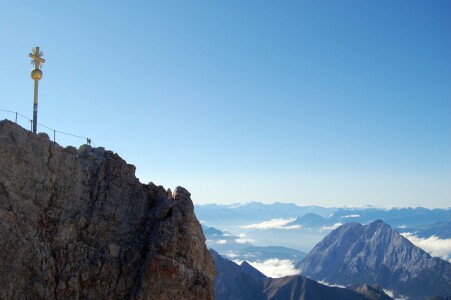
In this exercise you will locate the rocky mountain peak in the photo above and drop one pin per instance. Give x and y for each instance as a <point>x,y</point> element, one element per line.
<point>77,223</point>
<point>375,254</point>
<point>247,268</point>
<point>246,283</point>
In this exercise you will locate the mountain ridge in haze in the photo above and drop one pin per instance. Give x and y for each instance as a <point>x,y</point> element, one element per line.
<point>279,224</point>
<point>237,248</point>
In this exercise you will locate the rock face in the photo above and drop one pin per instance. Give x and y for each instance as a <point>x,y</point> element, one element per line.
<point>235,283</point>
<point>376,254</point>
<point>243,282</point>
<point>78,224</point>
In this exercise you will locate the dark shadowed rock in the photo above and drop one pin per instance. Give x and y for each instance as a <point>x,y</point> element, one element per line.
<point>246,283</point>
<point>373,292</point>
<point>377,255</point>
<point>247,268</point>
<point>232,283</point>
<point>303,288</point>
<point>78,224</point>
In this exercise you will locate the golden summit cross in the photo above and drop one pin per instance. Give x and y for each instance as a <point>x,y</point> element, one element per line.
<point>37,59</point>
<point>36,75</point>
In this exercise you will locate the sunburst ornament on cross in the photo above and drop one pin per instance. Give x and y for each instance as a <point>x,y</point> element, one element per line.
<point>36,75</point>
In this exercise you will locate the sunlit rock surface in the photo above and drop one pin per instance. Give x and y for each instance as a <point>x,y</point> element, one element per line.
<point>77,223</point>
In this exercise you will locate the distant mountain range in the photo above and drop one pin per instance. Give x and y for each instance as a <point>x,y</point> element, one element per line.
<point>243,282</point>
<point>237,248</point>
<point>402,218</point>
<point>438,229</point>
<point>375,254</point>
<point>346,252</point>
<point>310,220</point>
<point>283,224</point>
<point>412,219</point>
<point>218,215</point>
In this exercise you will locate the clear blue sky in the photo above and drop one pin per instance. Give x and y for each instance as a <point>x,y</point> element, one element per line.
<point>312,102</point>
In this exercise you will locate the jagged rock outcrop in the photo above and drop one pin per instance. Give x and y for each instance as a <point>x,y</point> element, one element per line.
<point>243,282</point>
<point>79,224</point>
<point>234,283</point>
<point>376,254</point>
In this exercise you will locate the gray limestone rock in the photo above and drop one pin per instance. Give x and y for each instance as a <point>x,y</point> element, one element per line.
<point>78,224</point>
<point>377,255</point>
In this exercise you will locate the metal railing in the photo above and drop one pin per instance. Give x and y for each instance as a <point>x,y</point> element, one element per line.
<point>17,114</point>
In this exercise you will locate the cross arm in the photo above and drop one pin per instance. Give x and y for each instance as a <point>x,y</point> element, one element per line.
<point>36,58</point>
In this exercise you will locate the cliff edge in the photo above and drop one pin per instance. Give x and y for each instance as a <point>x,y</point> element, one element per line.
<point>77,223</point>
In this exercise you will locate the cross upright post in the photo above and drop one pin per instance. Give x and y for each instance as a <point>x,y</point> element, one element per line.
<point>36,75</point>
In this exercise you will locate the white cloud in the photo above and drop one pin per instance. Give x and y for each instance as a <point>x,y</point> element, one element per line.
<point>212,242</point>
<point>242,239</point>
<point>331,284</point>
<point>231,254</point>
<point>433,245</point>
<point>402,227</point>
<point>327,228</point>
<point>350,216</point>
<point>274,267</point>
<point>292,227</point>
<point>391,294</point>
<point>274,224</point>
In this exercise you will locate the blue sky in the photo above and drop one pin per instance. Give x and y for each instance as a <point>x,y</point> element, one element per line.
<point>312,102</point>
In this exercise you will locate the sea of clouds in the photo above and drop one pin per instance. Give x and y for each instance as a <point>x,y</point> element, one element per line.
<point>433,245</point>
<point>274,267</point>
